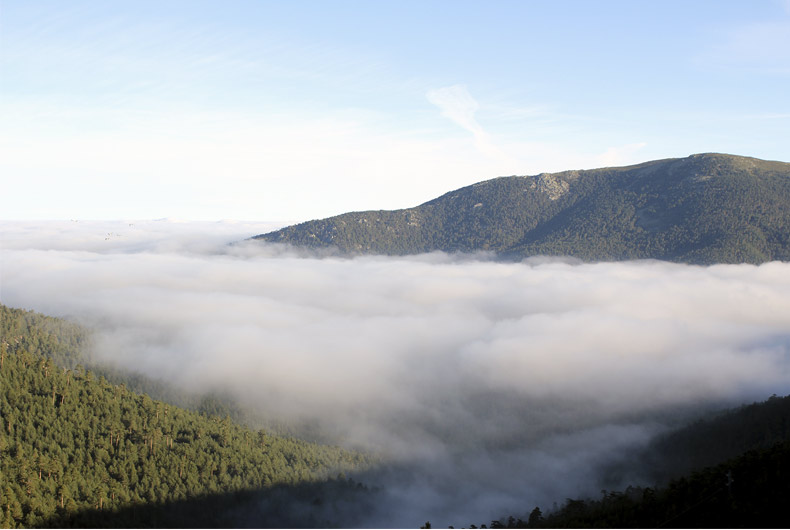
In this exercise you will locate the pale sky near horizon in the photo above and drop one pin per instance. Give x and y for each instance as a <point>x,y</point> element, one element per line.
<point>288,111</point>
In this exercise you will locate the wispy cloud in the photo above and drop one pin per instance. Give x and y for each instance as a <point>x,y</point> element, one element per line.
<point>458,105</point>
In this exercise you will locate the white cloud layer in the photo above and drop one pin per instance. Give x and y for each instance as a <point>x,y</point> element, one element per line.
<point>509,382</point>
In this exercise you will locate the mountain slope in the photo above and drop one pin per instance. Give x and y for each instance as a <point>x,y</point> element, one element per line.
<point>79,451</point>
<point>706,208</point>
<point>729,470</point>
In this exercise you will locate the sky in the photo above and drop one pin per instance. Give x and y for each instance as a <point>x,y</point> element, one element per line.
<point>288,111</point>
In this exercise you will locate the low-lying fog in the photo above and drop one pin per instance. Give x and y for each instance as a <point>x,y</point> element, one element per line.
<point>497,386</point>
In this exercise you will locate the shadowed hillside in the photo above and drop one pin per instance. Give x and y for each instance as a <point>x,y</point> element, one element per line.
<point>729,470</point>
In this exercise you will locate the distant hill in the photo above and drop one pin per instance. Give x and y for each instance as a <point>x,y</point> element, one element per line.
<point>706,208</point>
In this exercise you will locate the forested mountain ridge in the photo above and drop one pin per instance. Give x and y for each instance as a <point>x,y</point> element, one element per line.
<point>77,450</point>
<point>706,208</point>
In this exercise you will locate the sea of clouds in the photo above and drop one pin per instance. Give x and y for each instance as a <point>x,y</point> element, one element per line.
<point>492,387</point>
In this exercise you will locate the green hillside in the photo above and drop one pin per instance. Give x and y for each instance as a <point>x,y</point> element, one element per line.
<point>706,208</point>
<point>76,449</point>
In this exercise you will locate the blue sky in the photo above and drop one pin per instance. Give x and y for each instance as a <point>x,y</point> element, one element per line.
<point>287,111</point>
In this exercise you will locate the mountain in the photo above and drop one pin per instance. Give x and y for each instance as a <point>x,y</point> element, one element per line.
<point>706,208</point>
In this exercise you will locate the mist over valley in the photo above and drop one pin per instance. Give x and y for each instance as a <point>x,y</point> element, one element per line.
<point>484,387</point>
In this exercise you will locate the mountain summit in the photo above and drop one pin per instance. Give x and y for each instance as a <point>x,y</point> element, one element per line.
<point>706,208</point>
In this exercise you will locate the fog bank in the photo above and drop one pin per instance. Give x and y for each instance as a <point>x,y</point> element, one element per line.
<point>507,384</point>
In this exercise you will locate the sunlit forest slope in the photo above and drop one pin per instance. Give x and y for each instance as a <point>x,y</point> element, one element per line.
<point>79,450</point>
